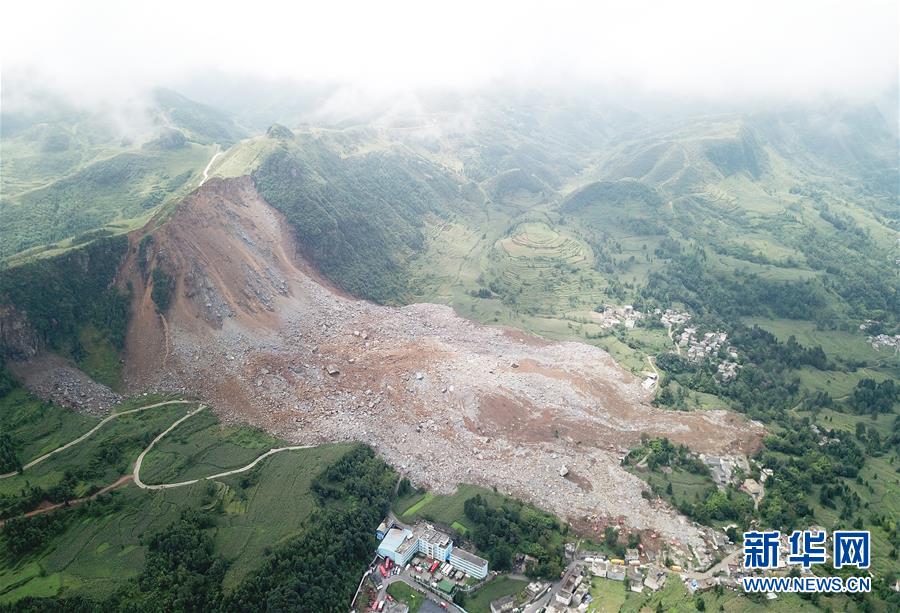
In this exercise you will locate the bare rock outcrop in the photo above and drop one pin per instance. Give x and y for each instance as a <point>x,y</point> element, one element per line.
<point>18,340</point>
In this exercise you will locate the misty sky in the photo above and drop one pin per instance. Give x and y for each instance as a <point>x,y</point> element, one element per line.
<point>711,49</point>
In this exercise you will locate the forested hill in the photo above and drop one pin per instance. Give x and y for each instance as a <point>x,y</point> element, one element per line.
<point>358,218</point>
<point>68,304</point>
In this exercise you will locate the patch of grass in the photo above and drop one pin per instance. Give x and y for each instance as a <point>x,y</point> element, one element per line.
<point>405,594</point>
<point>416,507</point>
<point>202,446</point>
<point>274,509</point>
<point>402,503</point>
<point>836,343</point>
<point>447,510</point>
<point>37,587</point>
<point>608,595</point>
<point>497,588</point>
<point>686,486</point>
<point>38,427</point>
<point>838,384</point>
<point>101,359</point>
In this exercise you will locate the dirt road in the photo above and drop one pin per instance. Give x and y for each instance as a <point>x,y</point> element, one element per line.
<point>208,166</point>
<point>71,503</point>
<point>90,432</point>
<point>136,475</point>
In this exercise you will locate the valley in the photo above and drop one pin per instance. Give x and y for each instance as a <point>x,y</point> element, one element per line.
<point>654,326</point>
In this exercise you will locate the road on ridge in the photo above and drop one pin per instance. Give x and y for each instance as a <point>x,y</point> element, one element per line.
<point>90,432</point>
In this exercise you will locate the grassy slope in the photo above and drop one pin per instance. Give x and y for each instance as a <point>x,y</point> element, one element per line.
<point>256,510</point>
<point>67,172</point>
<point>444,510</point>
<point>37,427</point>
<point>118,194</point>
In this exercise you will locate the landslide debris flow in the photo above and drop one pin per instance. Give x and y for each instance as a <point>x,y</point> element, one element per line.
<point>260,336</point>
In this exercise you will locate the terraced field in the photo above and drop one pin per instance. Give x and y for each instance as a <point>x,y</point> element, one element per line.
<point>545,269</point>
<point>539,240</point>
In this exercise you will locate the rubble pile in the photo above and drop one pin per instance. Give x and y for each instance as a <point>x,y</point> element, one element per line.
<point>441,398</point>
<point>53,379</point>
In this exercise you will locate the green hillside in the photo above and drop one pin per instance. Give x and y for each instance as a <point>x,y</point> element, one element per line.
<point>358,217</point>
<point>71,174</point>
<point>132,545</point>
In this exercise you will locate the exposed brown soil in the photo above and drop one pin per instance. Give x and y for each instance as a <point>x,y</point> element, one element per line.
<point>256,333</point>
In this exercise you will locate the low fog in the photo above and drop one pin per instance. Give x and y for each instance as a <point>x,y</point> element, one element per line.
<point>340,57</point>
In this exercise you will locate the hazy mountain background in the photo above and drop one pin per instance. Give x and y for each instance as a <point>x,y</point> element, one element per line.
<point>533,167</point>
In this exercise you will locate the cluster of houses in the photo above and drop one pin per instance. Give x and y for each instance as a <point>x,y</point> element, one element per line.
<point>673,318</point>
<point>611,316</point>
<point>723,469</point>
<point>574,593</point>
<point>702,348</point>
<point>824,438</point>
<point>731,574</point>
<point>885,340</point>
<point>705,348</point>
<point>708,346</point>
<point>507,604</point>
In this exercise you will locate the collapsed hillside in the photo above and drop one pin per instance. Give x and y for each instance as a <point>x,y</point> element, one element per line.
<point>258,334</point>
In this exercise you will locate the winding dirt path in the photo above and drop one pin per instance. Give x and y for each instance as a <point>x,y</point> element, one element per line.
<point>136,475</point>
<point>652,365</point>
<point>208,166</point>
<point>71,503</point>
<point>90,432</point>
<point>670,332</point>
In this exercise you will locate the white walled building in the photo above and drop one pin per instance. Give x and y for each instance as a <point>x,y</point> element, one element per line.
<point>401,544</point>
<point>469,562</point>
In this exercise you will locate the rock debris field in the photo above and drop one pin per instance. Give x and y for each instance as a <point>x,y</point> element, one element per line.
<point>261,337</point>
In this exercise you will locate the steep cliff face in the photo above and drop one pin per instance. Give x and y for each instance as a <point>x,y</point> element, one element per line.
<point>58,296</point>
<point>18,340</point>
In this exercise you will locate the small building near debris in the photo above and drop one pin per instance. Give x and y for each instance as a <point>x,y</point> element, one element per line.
<point>599,567</point>
<point>567,589</point>
<point>616,572</point>
<point>502,605</point>
<point>469,562</point>
<point>655,579</point>
<point>534,588</point>
<point>635,579</point>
